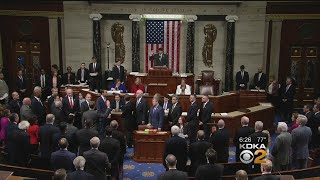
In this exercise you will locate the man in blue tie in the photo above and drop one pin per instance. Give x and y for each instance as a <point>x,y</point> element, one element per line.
<point>156,115</point>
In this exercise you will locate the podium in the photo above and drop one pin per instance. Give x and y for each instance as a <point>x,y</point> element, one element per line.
<point>160,71</point>
<point>148,148</point>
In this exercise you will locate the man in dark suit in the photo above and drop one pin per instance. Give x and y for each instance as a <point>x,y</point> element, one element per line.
<point>172,173</point>
<point>63,158</point>
<point>79,174</point>
<point>85,105</point>
<point>45,84</point>
<point>156,115</point>
<point>242,79</point>
<point>104,109</point>
<point>20,141</point>
<point>21,84</point>
<point>58,113</point>
<point>175,111</point>
<point>118,72</point>
<point>83,136</point>
<point>50,100</point>
<point>178,147</point>
<point>95,70</point>
<point>117,104</point>
<point>192,118</point>
<point>111,147</point>
<point>197,151</point>
<point>314,124</point>
<point>46,140</point>
<point>266,169</point>
<point>260,80</point>
<point>69,77</point>
<point>166,104</point>
<point>10,130</point>
<point>91,114</point>
<point>25,110</point>
<point>141,108</point>
<point>37,106</point>
<point>71,105</point>
<point>205,114</point>
<point>83,74</point>
<point>15,104</point>
<point>96,161</point>
<point>211,170</point>
<point>301,137</point>
<point>220,142</point>
<point>307,110</point>
<point>160,59</point>
<point>243,132</point>
<point>128,120</point>
<point>118,135</point>
<point>259,137</point>
<point>287,96</point>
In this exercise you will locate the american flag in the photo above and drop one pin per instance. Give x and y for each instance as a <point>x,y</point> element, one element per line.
<point>164,34</point>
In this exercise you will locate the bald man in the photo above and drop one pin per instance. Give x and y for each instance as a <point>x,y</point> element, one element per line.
<point>260,80</point>
<point>37,106</point>
<point>15,103</point>
<point>220,142</point>
<point>141,108</point>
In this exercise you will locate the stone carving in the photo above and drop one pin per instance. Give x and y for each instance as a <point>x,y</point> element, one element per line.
<point>117,31</point>
<point>210,32</point>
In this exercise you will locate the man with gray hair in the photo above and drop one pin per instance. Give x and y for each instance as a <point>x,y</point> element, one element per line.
<point>241,175</point>
<point>25,110</point>
<point>243,132</point>
<point>281,150</point>
<point>58,113</point>
<point>301,137</point>
<point>20,141</point>
<point>266,169</point>
<point>220,142</point>
<point>172,173</point>
<point>79,174</point>
<point>96,161</point>
<point>178,147</point>
<point>37,106</point>
<point>259,137</point>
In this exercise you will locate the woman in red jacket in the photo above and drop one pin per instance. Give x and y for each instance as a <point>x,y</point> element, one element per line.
<point>33,132</point>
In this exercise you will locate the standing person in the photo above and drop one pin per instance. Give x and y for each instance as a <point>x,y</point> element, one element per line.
<point>79,174</point>
<point>91,114</point>
<point>118,135</point>
<point>21,85</point>
<point>128,120</point>
<point>211,170</point>
<point>94,70</point>
<point>56,80</point>
<point>266,169</point>
<point>205,114</point>
<point>10,130</point>
<point>220,142</point>
<point>45,84</point>
<point>260,80</point>
<point>15,104</point>
<point>301,137</point>
<point>192,118</point>
<point>172,173</point>
<point>314,125</point>
<point>117,104</point>
<point>287,96</point>
<point>156,115</point>
<point>63,158</point>
<point>104,109</point>
<point>166,104</point>
<point>83,74</point>
<point>141,108</point>
<point>118,72</point>
<point>37,106</point>
<point>282,148</point>
<point>69,77</point>
<point>242,79</point>
<point>4,90</point>
<point>3,125</point>
<point>273,92</point>
<point>26,109</point>
<point>160,59</point>
<point>85,105</point>
<point>50,100</point>
<point>84,135</point>
<point>33,132</point>
<point>71,105</point>
<point>175,111</point>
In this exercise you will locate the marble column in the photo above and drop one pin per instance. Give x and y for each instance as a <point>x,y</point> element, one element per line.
<point>135,41</point>
<point>190,43</point>
<point>96,36</point>
<point>228,83</point>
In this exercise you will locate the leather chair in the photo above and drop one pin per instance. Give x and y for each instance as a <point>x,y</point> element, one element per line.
<point>206,90</point>
<point>207,77</point>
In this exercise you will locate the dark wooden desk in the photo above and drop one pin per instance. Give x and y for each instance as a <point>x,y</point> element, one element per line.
<point>148,148</point>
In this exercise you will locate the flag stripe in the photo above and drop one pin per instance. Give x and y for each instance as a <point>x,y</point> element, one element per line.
<point>178,47</point>
<point>173,46</point>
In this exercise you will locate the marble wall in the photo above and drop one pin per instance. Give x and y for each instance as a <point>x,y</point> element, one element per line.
<point>54,41</point>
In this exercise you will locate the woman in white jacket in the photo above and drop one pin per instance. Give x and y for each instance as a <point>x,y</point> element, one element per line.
<point>183,88</point>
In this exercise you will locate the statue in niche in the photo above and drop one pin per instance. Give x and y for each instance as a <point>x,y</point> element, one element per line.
<point>117,31</point>
<point>210,35</point>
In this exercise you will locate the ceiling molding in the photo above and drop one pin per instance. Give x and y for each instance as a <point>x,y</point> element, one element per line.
<point>281,17</point>
<point>49,14</point>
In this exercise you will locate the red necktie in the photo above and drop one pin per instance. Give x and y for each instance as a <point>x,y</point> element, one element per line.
<point>71,103</point>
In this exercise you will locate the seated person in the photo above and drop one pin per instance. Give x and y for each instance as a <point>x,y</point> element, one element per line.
<point>137,85</point>
<point>117,86</point>
<point>183,88</point>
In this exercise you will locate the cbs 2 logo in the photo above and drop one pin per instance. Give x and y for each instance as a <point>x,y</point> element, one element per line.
<point>246,156</point>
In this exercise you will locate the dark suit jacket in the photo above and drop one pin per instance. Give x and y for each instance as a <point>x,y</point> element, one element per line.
<point>26,112</point>
<point>243,132</point>
<point>192,114</point>
<point>289,94</point>
<point>263,81</point>
<point>173,174</point>
<point>157,62</point>
<point>48,82</point>
<point>209,172</point>
<point>50,101</point>
<point>169,105</point>
<point>113,104</point>
<point>240,80</point>
<point>72,78</point>
<point>21,84</point>
<point>21,150</point>
<point>256,136</point>
<point>141,111</point>
<point>96,163</point>
<point>174,114</point>
<point>86,75</point>
<point>14,106</point>
<point>91,70</point>
<point>116,74</point>
<point>220,142</point>
<point>102,109</point>
<point>62,159</point>
<point>156,116</point>
<point>83,137</point>
<point>90,114</point>
<point>46,139</point>
<point>127,116</point>
<point>205,113</point>
<point>84,106</point>
<point>267,177</point>
<point>118,135</point>
<point>197,153</point>
<point>179,148</point>
<point>111,147</point>
<point>10,131</point>
<point>38,109</point>
<point>79,175</point>
<point>59,115</point>
<point>66,106</point>
<point>59,82</point>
